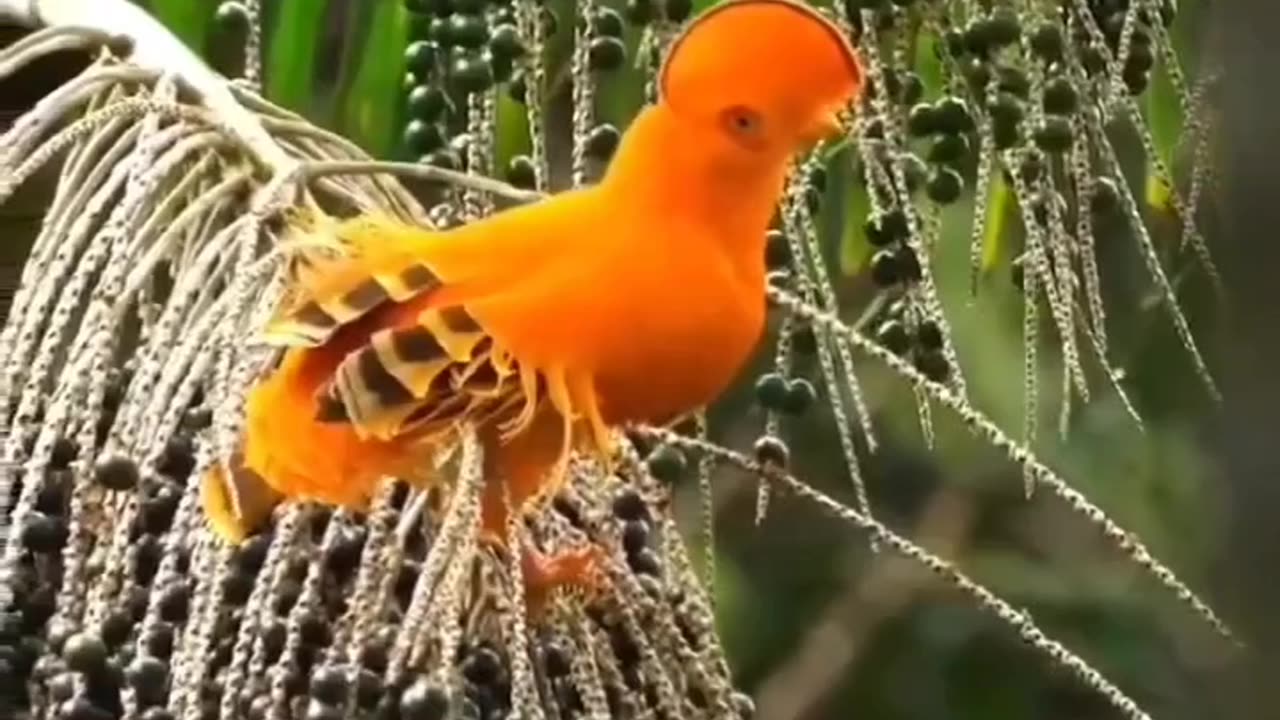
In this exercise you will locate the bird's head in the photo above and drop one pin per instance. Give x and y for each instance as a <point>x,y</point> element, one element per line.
<point>764,79</point>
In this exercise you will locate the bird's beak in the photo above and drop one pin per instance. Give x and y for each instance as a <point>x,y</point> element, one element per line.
<point>829,123</point>
<point>824,125</point>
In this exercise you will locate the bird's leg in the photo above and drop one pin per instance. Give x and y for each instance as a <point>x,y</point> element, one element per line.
<point>583,392</point>
<point>521,471</point>
<point>576,569</point>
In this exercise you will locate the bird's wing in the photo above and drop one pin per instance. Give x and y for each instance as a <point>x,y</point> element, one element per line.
<point>427,375</point>
<point>411,358</point>
<point>369,263</point>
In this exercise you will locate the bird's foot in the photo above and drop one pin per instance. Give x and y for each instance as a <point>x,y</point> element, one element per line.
<point>577,570</point>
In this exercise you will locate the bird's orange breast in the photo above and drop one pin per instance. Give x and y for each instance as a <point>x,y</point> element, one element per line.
<point>693,319</point>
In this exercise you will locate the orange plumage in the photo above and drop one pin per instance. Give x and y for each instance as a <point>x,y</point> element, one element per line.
<point>637,299</point>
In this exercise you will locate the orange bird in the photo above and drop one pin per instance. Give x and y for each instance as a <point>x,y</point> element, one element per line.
<point>638,299</point>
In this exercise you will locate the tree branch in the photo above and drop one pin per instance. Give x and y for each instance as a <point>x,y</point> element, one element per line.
<point>154,48</point>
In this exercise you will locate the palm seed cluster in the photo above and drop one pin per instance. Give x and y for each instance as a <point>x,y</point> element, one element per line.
<point>122,364</point>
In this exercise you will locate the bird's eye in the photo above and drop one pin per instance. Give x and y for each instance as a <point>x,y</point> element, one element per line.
<point>744,124</point>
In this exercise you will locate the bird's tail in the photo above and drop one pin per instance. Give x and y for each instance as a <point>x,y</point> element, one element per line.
<point>237,501</point>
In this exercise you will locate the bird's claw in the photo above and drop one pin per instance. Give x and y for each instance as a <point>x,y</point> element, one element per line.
<point>578,569</point>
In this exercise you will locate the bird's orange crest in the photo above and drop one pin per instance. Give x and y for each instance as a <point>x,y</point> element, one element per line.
<point>786,60</point>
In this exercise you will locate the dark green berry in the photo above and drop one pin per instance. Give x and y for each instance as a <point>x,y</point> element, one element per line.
<point>922,120</point>
<point>549,20</point>
<point>1047,41</point>
<point>780,279</point>
<point>232,16</point>
<point>606,53</point>
<point>1031,168</point>
<point>875,234</point>
<point>471,73</point>
<point>1135,77</point>
<point>645,562</point>
<point>1105,198</point>
<point>440,30</point>
<point>910,88</point>
<point>501,68</point>
<point>953,115</point>
<point>607,23</point>
<point>894,222</point>
<point>521,173</point>
<point>1005,134</point>
<point>892,84</point>
<point>929,335</point>
<point>420,57</point>
<point>1006,108</point>
<point>914,171</point>
<point>977,72</point>
<point>1041,208</point>
<point>933,365</point>
<point>777,250</point>
<point>467,7</point>
<point>424,700</point>
<point>505,43</point>
<point>1093,59</point>
<point>887,227</point>
<point>800,395</point>
<point>64,451</point>
<point>427,103</point>
<point>804,340</point>
<point>812,199</point>
<point>148,676</point>
<point>117,473</point>
<point>945,186</point>
<point>501,15</point>
<point>884,268</point>
<point>1013,80</point>
<point>666,463</point>
<point>1060,97</point>
<point>602,141</point>
<point>1112,25</point>
<point>518,87</point>
<point>818,178</point>
<point>329,684</point>
<point>467,31</point>
<point>949,149</point>
<point>640,12</point>
<point>1006,119</point>
<point>908,264</point>
<point>677,11</point>
<point>627,505</point>
<point>85,652</point>
<point>441,8</point>
<point>420,26</point>
<point>1054,134</point>
<point>892,334</point>
<point>978,36</point>
<point>771,450</point>
<point>44,533</point>
<point>635,534</point>
<point>771,391</point>
<point>423,137</point>
<point>444,158</point>
<point>1003,27</point>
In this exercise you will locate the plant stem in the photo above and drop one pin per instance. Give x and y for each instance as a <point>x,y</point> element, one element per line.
<point>155,48</point>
